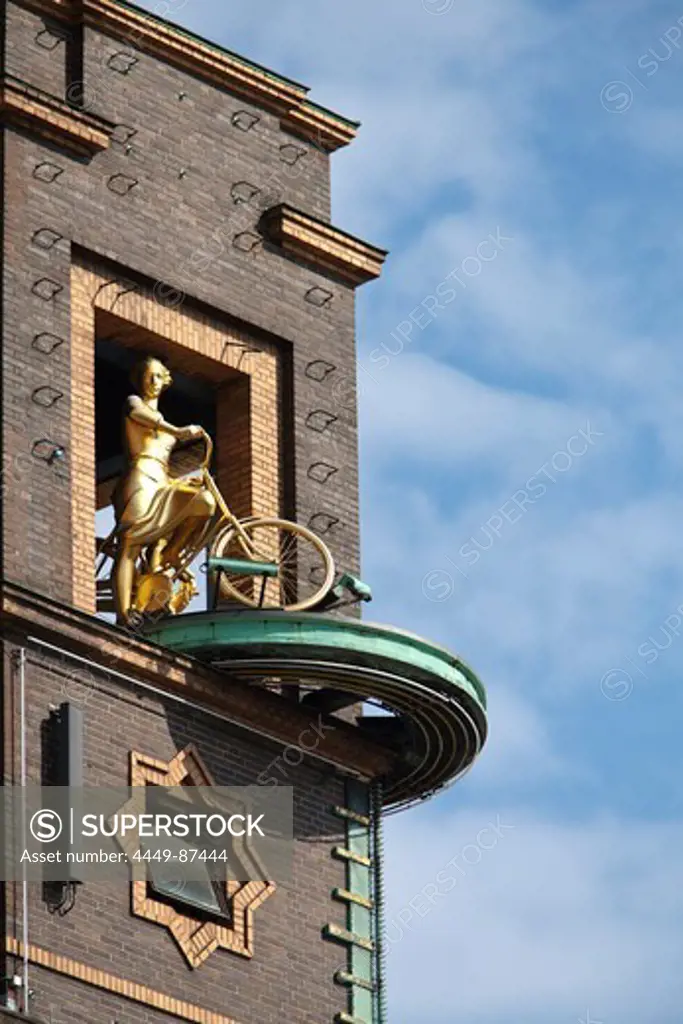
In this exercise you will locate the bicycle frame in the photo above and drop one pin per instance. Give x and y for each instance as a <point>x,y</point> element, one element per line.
<point>227,515</point>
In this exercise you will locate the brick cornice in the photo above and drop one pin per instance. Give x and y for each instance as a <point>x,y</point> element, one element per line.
<point>322,245</point>
<point>320,126</point>
<point>24,613</point>
<point>65,10</point>
<point>26,107</point>
<point>212,63</point>
<point>153,36</point>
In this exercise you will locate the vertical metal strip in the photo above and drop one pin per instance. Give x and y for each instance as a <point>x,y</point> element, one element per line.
<point>361,973</point>
<point>379,975</point>
<point>359,917</point>
<point>20,664</point>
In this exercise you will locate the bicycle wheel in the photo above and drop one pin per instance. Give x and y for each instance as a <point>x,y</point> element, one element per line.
<point>305,566</point>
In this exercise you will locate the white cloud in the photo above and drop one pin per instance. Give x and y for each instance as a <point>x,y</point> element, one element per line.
<point>520,750</point>
<point>553,918</point>
<point>551,604</point>
<point>419,408</point>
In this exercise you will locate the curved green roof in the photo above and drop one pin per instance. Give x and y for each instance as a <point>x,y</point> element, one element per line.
<point>419,680</point>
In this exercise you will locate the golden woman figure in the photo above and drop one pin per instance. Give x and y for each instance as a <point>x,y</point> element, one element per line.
<point>158,519</point>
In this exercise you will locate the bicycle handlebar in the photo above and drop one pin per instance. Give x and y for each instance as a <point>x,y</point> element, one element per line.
<point>206,462</point>
<point>211,483</point>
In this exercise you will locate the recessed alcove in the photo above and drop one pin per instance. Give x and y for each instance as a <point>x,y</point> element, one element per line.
<point>224,380</point>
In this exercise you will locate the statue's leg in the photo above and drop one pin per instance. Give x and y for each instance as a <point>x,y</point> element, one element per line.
<point>201,507</point>
<point>123,579</point>
<point>156,551</point>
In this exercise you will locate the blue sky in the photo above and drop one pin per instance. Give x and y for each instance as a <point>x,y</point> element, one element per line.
<point>557,127</point>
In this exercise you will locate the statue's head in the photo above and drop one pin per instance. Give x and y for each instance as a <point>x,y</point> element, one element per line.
<point>150,377</point>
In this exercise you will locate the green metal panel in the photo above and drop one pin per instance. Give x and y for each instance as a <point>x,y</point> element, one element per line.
<point>244,567</point>
<point>359,934</point>
<point>360,918</point>
<point>438,701</point>
<point>374,643</point>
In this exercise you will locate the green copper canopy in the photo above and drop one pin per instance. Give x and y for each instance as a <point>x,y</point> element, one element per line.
<point>438,702</point>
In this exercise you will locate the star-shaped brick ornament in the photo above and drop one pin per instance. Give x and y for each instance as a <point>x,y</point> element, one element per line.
<point>197,938</point>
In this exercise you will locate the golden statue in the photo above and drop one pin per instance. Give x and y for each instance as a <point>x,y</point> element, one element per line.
<point>161,523</point>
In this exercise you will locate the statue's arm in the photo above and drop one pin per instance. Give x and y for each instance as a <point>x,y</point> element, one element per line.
<point>141,413</point>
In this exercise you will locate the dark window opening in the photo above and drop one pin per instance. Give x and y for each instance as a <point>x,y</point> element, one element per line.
<point>204,895</point>
<point>185,879</point>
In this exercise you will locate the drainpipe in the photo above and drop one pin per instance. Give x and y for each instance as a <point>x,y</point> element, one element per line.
<point>19,660</point>
<point>378,862</point>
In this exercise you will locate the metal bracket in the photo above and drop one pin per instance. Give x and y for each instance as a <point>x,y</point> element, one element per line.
<point>244,120</point>
<point>123,133</point>
<point>121,184</point>
<point>47,172</point>
<point>243,192</point>
<point>247,241</point>
<point>320,419</point>
<point>46,343</point>
<point>122,62</point>
<point>46,238</point>
<point>46,450</point>
<point>246,350</point>
<point>321,472</point>
<point>46,289</point>
<point>318,296</point>
<point>333,931</point>
<point>52,39</point>
<point>46,396</point>
<point>291,154</point>
<point>327,522</point>
<point>323,369</point>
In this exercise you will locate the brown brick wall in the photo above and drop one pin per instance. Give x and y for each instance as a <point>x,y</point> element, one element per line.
<point>180,231</point>
<point>290,974</point>
<point>36,517</point>
<point>183,123</point>
<point>159,205</point>
<point>36,50</point>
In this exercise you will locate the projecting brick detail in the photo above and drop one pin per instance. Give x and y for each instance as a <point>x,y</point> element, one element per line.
<point>324,246</point>
<point>197,939</point>
<point>39,113</point>
<point>248,441</point>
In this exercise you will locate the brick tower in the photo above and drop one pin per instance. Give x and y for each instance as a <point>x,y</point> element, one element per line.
<point>164,196</point>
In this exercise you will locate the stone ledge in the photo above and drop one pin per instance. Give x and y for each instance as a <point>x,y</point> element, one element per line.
<point>24,106</point>
<point>323,246</point>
